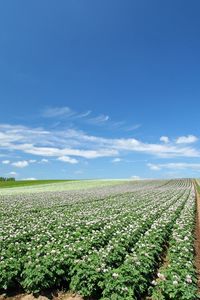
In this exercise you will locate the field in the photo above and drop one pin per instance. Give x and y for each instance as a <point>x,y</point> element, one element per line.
<point>9,184</point>
<point>108,240</point>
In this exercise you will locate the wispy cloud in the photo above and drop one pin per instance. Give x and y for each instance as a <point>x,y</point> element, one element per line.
<point>44,160</point>
<point>83,115</point>
<point>133,127</point>
<point>76,143</point>
<point>116,160</point>
<point>5,162</point>
<point>68,159</point>
<point>154,167</point>
<point>52,112</point>
<point>99,120</point>
<point>136,177</point>
<point>158,150</point>
<point>52,151</point>
<point>29,178</point>
<point>20,164</point>
<point>174,166</point>
<point>12,173</point>
<point>64,112</point>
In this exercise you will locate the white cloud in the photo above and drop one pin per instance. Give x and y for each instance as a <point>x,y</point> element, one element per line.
<point>29,178</point>
<point>51,151</point>
<point>135,177</point>
<point>159,150</point>
<point>164,139</point>
<point>5,162</point>
<point>32,161</point>
<point>76,143</point>
<point>116,160</point>
<point>12,173</point>
<point>175,166</point>
<point>44,160</point>
<point>154,167</point>
<point>186,139</point>
<point>68,159</point>
<point>20,164</point>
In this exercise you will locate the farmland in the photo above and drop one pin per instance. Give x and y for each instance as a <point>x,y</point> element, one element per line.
<point>108,240</point>
<point>9,184</point>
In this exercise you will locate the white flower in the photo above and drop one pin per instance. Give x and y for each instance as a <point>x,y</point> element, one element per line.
<point>98,269</point>
<point>125,288</point>
<point>105,270</point>
<point>188,279</point>
<point>161,276</point>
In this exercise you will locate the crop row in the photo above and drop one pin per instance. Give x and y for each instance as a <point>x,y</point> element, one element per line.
<point>177,278</point>
<point>132,279</point>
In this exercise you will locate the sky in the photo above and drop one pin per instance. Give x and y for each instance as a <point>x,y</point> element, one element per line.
<point>99,89</point>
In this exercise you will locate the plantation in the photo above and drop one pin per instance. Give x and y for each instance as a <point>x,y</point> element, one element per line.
<point>108,240</point>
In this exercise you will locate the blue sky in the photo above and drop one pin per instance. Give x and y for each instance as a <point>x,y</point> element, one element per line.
<point>99,89</point>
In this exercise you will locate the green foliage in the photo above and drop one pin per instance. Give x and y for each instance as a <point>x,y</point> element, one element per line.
<point>177,279</point>
<point>109,246</point>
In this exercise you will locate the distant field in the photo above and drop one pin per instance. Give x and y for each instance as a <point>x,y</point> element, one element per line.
<point>9,184</point>
<point>37,186</point>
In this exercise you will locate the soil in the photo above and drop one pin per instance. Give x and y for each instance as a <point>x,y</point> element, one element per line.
<point>197,239</point>
<point>59,296</point>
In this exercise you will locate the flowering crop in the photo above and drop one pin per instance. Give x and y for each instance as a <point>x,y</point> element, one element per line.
<point>102,239</point>
<point>136,271</point>
<point>178,275</point>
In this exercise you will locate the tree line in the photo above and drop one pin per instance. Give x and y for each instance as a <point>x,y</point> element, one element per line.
<point>7,179</point>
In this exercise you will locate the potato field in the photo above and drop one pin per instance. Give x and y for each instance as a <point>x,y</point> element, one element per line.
<point>105,240</point>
